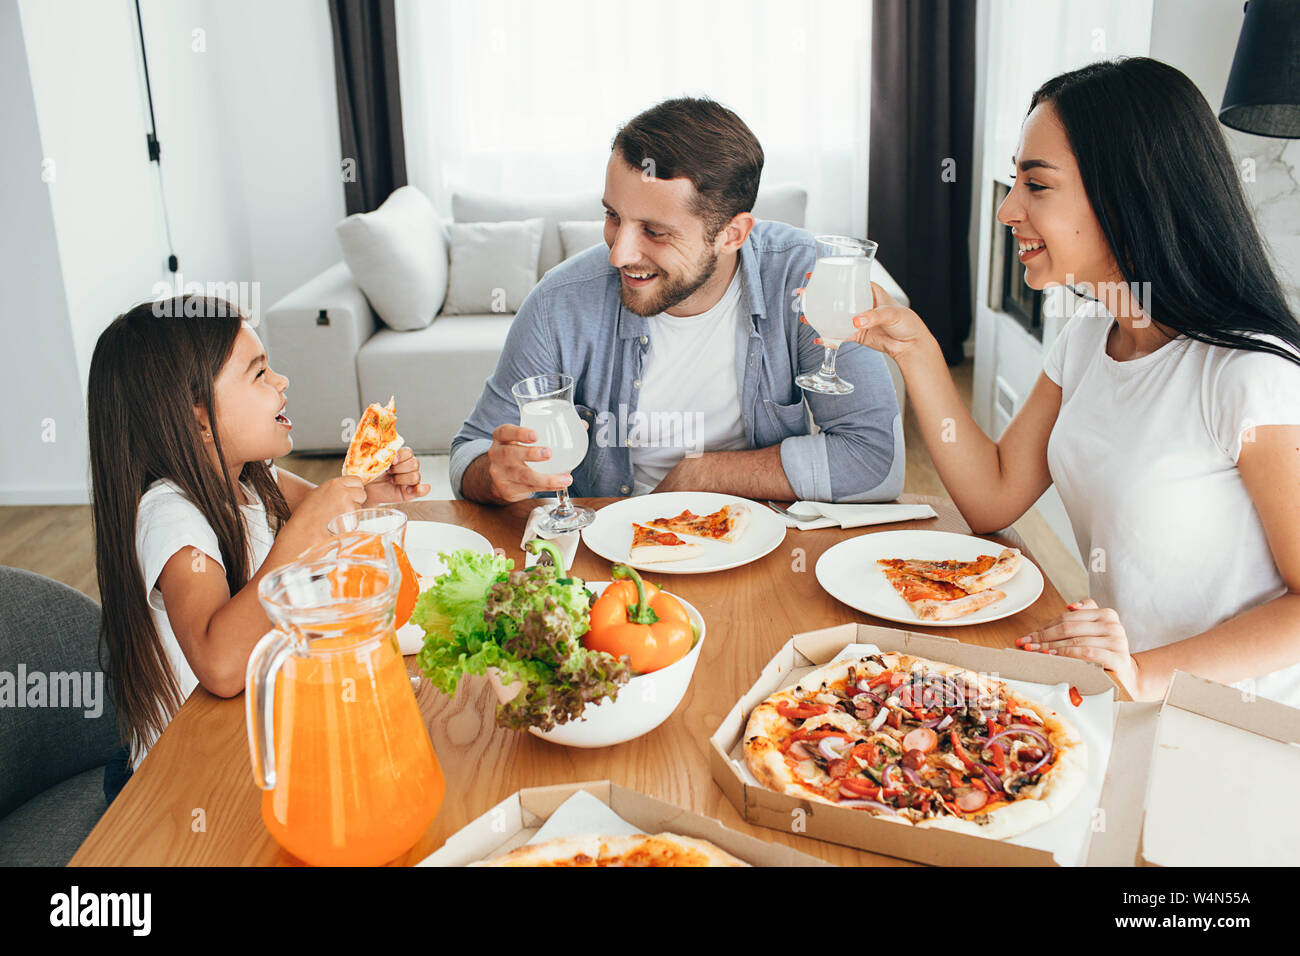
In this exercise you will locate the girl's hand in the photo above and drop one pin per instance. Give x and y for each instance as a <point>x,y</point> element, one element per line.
<point>889,327</point>
<point>326,501</point>
<point>400,483</point>
<point>1089,633</point>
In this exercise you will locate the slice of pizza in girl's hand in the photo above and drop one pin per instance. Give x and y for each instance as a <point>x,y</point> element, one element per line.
<point>918,743</point>
<point>374,443</point>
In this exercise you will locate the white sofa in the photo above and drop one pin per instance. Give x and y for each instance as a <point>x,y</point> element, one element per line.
<point>339,357</point>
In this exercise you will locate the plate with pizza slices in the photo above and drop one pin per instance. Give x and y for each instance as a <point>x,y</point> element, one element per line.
<point>935,578</point>
<point>684,532</point>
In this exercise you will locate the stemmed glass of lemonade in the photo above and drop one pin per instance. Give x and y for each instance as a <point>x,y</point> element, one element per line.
<point>546,406</point>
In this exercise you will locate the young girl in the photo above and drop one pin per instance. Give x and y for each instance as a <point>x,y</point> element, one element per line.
<point>1169,421</point>
<point>184,414</point>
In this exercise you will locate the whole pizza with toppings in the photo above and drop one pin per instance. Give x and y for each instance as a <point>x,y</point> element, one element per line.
<point>727,524</point>
<point>663,849</point>
<point>918,743</point>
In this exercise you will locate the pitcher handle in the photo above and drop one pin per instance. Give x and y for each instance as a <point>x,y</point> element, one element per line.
<point>259,703</point>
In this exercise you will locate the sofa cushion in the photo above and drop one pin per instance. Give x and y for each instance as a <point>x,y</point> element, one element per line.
<point>398,256</point>
<point>493,265</point>
<point>435,374</point>
<point>575,236</point>
<point>786,204</point>
<point>491,207</point>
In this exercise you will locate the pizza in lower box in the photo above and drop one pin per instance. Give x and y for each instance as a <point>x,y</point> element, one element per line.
<point>663,849</point>
<point>918,743</point>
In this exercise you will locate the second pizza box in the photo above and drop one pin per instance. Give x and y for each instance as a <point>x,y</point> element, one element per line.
<point>513,821</point>
<point>1238,754</point>
<point>758,805</point>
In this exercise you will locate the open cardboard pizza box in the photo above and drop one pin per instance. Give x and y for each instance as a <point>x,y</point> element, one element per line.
<point>758,805</point>
<point>1239,755</point>
<point>513,821</point>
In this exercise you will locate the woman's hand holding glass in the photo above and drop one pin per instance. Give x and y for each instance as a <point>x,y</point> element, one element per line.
<point>887,327</point>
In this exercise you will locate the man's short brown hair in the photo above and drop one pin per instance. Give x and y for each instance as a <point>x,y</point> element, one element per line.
<point>699,140</point>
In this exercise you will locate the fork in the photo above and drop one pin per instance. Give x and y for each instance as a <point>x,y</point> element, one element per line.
<point>791,515</point>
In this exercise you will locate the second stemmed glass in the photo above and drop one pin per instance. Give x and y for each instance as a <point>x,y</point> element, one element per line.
<point>839,289</point>
<point>546,406</point>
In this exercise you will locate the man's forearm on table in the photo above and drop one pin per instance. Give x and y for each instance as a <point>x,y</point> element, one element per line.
<point>749,474</point>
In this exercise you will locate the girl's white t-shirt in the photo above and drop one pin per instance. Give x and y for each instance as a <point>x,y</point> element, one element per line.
<point>1144,455</point>
<point>689,399</point>
<point>168,522</point>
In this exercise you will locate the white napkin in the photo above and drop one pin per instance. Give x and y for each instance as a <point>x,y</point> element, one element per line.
<point>823,515</point>
<point>580,815</point>
<point>566,542</point>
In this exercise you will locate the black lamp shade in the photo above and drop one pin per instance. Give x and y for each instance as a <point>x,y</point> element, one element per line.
<point>1263,94</point>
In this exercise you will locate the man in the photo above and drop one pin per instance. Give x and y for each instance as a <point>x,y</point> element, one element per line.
<point>684,343</point>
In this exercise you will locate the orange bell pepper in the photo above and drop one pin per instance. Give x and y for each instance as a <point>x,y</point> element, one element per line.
<point>635,619</point>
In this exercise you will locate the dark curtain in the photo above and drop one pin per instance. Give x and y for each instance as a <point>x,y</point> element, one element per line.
<point>922,116</point>
<point>370,102</point>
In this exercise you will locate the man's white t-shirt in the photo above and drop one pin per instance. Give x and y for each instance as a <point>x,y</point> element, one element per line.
<point>690,392</point>
<point>168,522</point>
<point>1144,454</point>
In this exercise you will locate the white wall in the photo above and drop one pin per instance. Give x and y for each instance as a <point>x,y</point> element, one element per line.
<point>245,105</point>
<point>84,76</point>
<point>1200,37</point>
<point>38,384</point>
<point>275,64</point>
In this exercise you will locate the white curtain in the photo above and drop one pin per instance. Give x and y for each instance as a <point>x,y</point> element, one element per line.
<point>524,98</point>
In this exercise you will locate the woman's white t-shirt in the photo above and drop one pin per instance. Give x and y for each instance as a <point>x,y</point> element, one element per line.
<point>1144,454</point>
<point>168,522</point>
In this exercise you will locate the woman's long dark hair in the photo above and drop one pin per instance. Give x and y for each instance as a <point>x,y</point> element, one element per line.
<point>1165,190</point>
<point>151,366</point>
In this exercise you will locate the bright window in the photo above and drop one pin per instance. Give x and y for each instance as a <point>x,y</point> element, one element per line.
<point>524,98</point>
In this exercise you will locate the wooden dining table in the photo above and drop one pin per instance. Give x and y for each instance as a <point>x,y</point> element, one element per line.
<point>192,802</point>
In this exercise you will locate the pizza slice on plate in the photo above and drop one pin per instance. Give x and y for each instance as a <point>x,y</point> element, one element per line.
<point>982,574</point>
<point>650,546</point>
<point>932,600</point>
<point>726,525</point>
<point>374,444</point>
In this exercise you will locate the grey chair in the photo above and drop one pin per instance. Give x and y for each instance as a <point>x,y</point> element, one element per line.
<point>52,755</point>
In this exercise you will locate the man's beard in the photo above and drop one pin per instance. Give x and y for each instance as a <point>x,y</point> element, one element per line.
<point>673,291</point>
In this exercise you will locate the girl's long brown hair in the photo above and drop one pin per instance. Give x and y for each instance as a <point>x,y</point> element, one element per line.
<point>151,366</point>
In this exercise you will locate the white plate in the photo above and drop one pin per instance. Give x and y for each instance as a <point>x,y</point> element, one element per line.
<point>610,535</point>
<point>424,539</point>
<point>848,573</point>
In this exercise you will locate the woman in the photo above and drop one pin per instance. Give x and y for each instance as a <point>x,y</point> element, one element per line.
<point>1169,420</point>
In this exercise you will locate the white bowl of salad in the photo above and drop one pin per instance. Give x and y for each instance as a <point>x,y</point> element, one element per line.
<point>530,632</point>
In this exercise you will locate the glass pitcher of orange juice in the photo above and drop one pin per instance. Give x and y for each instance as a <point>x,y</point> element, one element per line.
<point>337,742</point>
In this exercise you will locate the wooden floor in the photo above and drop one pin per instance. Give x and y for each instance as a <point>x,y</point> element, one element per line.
<point>57,541</point>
